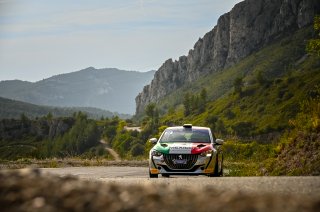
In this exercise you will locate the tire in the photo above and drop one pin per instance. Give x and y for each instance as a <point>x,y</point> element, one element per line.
<point>153,175</point>
<point>165,175</point>
<point>221,171</point>
<point>216,172</point>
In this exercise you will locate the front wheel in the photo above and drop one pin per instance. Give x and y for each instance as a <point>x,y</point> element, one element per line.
<point>153,175</point>
<point>221,169</point>
<point>219,165</point>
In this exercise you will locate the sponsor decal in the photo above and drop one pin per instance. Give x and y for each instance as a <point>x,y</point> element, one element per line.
<point>201,147</point>
<point>180,148</point>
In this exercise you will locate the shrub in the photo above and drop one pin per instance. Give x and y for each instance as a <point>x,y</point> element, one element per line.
<point>137,149</point>
<point>243,128</point>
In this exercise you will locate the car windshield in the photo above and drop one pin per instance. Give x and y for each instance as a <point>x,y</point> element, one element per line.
<point>186,135</point>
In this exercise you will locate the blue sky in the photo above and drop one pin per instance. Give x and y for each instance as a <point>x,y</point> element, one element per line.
<point>42,38</point>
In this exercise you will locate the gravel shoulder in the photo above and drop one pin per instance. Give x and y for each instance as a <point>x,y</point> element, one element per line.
<point>139,176</point>
<point>89,189</point>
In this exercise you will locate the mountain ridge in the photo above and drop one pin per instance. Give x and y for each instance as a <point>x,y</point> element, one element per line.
<point>109,88</point>
<point>249,26</point>
<point>13,109</point>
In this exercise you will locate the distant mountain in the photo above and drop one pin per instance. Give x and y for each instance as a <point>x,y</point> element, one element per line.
<point>14,109</point>
<point>110,89</point>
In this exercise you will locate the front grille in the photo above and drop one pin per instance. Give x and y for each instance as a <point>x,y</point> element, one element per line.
<point>193,169</point>
<point>190,161</point>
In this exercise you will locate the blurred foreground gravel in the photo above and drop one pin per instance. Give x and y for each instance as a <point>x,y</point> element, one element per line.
<point>32,190</point>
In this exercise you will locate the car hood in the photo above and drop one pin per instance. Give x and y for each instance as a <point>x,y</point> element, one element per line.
<point>182,147</point>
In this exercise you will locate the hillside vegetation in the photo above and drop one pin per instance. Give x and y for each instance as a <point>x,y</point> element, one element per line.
<point>253,104</point>
<point>76,136</point>
<point>299,149</point>
<point>48,137</point>
<point>273,82</point>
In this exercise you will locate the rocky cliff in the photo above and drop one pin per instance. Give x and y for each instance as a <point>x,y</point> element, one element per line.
<point>248,27</point>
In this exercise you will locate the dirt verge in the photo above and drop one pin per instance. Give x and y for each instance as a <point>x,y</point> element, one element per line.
<point>68,162</point>
<point>31,190</point>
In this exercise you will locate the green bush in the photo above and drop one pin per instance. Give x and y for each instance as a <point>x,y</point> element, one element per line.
<point>137,150</point>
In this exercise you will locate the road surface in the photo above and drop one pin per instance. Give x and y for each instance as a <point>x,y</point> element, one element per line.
<point>309,186</point>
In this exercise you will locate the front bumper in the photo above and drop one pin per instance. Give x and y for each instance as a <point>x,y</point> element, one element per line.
<point>204,165</point>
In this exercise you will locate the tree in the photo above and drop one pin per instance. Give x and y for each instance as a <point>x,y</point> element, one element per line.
<point>187,104</point>
<point>203,95</point>
<point>195,101</point>
<point>150,110</point>
<point>220,128</point>
<point>83,135</point>
<point>211,121</point>
<point>313,46</point>
<point>203,101</point>
<point>24,118</point>
<point>238,84</point>
<point>153,113</point>
<point>137,149</point>
<point>261,78</point>
<point>243,128</point>
<point>153,119</point>
<point>171,110</point>
<point>49,116</point>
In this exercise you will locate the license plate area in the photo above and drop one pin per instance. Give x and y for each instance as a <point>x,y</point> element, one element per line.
<point>179,161</point>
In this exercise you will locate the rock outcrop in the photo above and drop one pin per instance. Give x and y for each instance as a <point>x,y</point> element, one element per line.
<point>249,26</point>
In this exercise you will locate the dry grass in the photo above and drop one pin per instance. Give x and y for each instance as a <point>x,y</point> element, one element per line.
<point>67,162</point>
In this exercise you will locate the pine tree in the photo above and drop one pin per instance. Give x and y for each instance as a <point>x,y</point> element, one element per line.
<point>187,104</point>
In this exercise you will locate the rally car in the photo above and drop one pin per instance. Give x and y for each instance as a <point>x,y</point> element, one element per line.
<point>186,150</point>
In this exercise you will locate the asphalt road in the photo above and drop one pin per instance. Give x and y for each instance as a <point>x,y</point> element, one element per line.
<point>306,186</point>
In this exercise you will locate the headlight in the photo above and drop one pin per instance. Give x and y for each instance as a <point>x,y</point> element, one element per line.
<point>156,153</point>
<point>207,153</point>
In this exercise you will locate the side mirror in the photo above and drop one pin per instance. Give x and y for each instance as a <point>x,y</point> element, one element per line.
<point>219,141</point>
<point>153,140</point>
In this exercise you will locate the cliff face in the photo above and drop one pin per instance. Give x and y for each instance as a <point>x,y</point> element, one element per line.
<point>249,26</point>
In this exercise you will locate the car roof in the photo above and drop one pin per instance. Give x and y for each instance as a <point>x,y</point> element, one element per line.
<point>193,127</point>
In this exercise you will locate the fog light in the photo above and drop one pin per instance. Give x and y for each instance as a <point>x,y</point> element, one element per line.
<point>209,170</point>
<point>154,171</point>
<point>206,153</point>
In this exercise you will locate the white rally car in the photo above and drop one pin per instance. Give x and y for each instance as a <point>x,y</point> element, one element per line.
<point>186,150</point>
